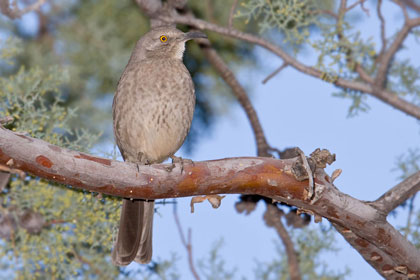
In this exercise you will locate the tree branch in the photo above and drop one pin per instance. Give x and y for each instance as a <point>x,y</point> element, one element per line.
<point>227,75</point>
<point>382,20</point>
<point>128,180</point>
<point>272,218</point>
<point>232,11</point>
<point>268,177</point>
<point>14,12</point>
<point>398,194</point>
<point>378,259</point>
<point>386,96</point>
<point>385,59</point>
<point>412,5</point>
<point>361,2</point>
<point>275,72</point>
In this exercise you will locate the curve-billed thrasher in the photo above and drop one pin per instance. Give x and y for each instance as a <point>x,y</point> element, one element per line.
<point>152,111</point>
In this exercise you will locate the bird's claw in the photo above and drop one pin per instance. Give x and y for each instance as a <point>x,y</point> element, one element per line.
<point>180,160</point>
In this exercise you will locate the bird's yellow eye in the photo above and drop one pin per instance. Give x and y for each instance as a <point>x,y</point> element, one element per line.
<point>163,39</point>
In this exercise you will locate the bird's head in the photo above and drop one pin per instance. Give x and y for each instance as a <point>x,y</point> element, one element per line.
<point>164,42</point>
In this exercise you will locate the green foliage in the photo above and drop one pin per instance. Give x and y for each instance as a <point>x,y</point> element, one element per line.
<point>339,46</point>
<point>309,244</point>
<point>414,231</point>
<point>292,17</point>
<point>408,163</point>
<point>214,267</point>
<point>358,101</point>
<point>75,229</point>
<point>404,78</point>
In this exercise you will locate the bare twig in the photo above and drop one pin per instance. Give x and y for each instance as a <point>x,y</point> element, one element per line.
<point>14,12</point>
<point>398,194</point>
<point>385,60</point>
<point>187,243</point>
<point>325,12</point>
<point>362,5</point>
<point>403,8</point>
<point>382,20</point>
<point>239,92</point>
<point>278,70</point>
<point>232,11</point>
<point>272,218</point>
<point>386,96</point>
<point>412,5</point>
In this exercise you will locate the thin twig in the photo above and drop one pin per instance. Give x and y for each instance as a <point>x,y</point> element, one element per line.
<point>187,243</point>
<point>324,12</point>
<point>403,8</point>
<point>398,194</point>
<point>412,5</point>
<point>278,70</point>
<point>232,11</point>
<point>348,52</point>
<point>361,2</point>
<point>385,60</point>
<point>272,218</point>
<point>382,20</point>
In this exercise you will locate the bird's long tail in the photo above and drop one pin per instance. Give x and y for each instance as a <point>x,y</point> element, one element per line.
<point>134,240</point>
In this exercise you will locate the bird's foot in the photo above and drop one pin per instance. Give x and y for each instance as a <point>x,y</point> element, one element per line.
<point>181,160</point>
<point>142,160</point>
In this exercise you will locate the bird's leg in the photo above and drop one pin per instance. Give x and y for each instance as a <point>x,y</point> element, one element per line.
<point>142,160</point>
<point>181,160</point>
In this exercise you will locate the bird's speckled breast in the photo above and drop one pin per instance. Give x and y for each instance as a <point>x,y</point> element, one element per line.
<point>155,101</point>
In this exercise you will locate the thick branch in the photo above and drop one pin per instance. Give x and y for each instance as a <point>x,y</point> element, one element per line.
<point>227,75</point>
<point>376,258</point>
<point>263,176</point>
<point>398,194</point>
<point>384,95</point>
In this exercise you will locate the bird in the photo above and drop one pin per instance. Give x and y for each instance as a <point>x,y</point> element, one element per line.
<point>152,113</point>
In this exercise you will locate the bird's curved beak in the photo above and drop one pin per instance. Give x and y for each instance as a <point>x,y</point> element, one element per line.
<point>194,35</point>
